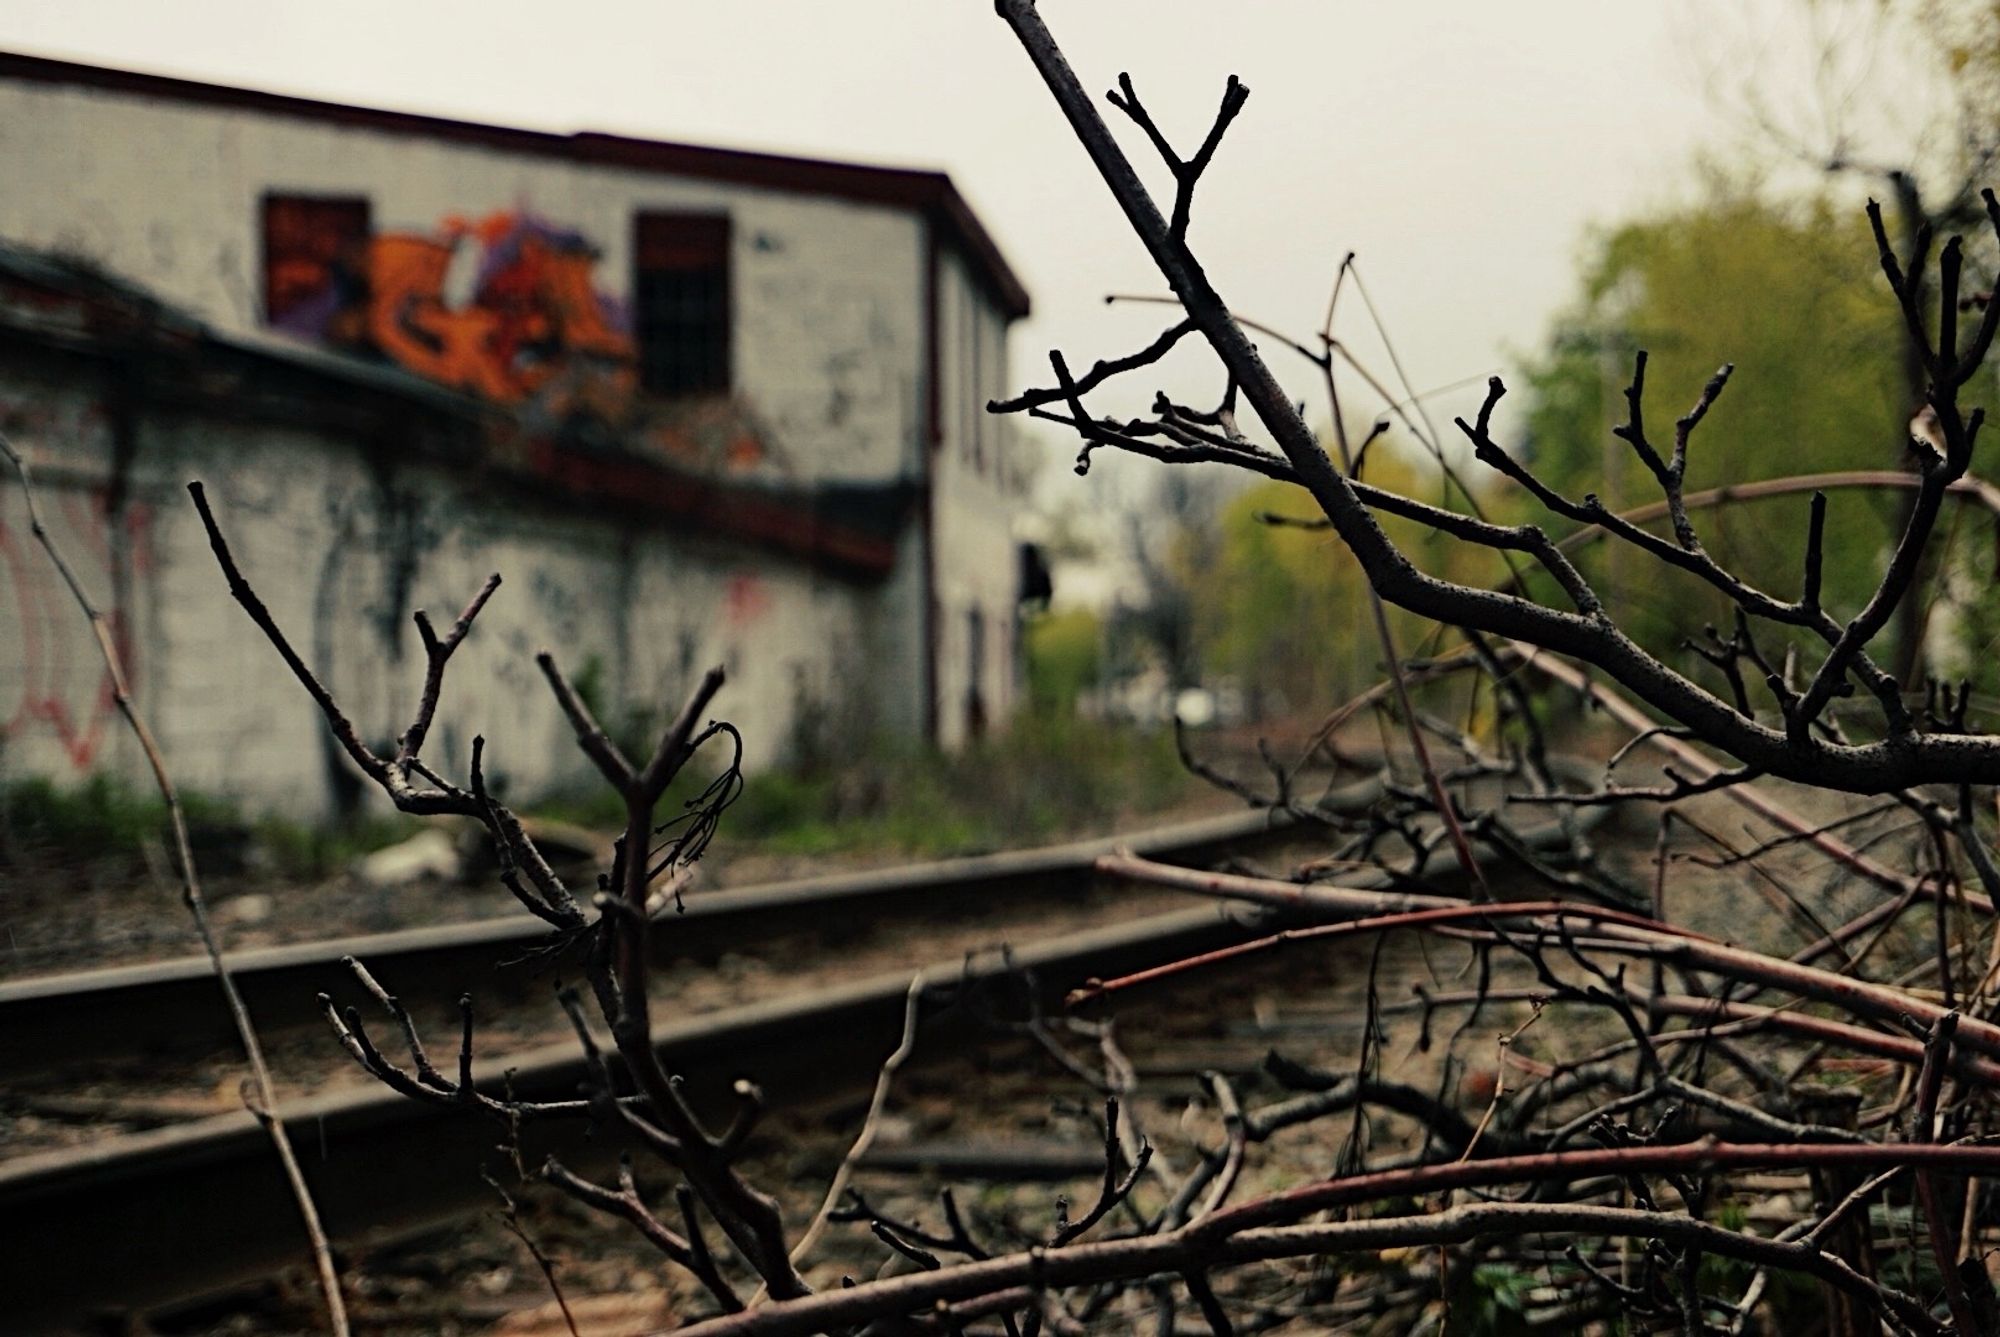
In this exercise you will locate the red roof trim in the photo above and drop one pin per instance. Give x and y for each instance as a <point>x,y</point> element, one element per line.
<point>737,512</point>
<point>930,193</point>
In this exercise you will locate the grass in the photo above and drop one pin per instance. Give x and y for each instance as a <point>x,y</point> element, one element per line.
<point>301,850</point>
<point>105,821</point>
<point>1044,779</point>
<point>101,818</point>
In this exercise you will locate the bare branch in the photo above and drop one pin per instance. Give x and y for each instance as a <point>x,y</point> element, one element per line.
<point>265,1104</point>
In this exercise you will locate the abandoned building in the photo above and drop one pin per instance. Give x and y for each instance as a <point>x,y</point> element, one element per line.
<point>695,405</point>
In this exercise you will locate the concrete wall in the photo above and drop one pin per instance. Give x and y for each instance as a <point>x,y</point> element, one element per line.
<point>829,356</point>
<point>344,544</point>
<point>978,472</point>
<point>828,334</point>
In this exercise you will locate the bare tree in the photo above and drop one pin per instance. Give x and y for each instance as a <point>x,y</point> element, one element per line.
<point>1800,747</point>
<point>1712,1037</point>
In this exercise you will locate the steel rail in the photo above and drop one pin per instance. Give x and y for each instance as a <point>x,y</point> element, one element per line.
<point>142,1221</point>
<point>167,1009</point>
<point>149,1219</point>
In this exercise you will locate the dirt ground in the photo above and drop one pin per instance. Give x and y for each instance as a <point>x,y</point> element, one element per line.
<point>1308,1003</point>
<point>63,917</point>
<point>1013,1098</point>
<point>1310,1006</point>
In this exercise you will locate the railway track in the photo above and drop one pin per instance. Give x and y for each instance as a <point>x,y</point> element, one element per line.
<point>168,1009</point>
<point>142,1220</point>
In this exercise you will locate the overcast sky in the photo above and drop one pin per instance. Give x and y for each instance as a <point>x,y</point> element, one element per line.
<point>1462,147</point>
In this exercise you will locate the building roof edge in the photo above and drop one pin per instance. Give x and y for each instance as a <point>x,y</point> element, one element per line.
<point>930,193</point>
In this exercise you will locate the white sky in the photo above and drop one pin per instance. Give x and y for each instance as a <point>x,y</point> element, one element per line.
<point>1460,146</point>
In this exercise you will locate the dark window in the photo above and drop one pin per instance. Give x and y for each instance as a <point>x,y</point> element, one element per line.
<point>975,674</point>
<point>1037,585</point>
<point>315,257</point>
<point>680,303</point>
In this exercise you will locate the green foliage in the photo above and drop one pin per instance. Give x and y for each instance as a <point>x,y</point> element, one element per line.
<point>312,850</point>
<point>1719,1275</point>
<point>102,818</point>
<point>592,804</point>
<point>105,822</point>
<point>1063,652</point>
<point>1256,604</point>
<point>1046,777</point>
<point>1912,1268</point>
<point>1793,296</point>
<point>1493,1302</point>
<point>1284,610</point>
<point>1794,1295</point>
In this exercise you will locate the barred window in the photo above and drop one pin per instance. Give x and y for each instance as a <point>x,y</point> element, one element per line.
<point>681,302</point>
<point>314,258</point>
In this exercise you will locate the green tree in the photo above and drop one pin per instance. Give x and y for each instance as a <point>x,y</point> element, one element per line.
<point>1792,295</point>
<point>1064,652</point>
<point>1282,608</point>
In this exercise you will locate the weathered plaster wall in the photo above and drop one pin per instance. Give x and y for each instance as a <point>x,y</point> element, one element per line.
<point>827,331</point>
<point>830,352</point>
<point>57,714</point>
<point>979,485</point>
<point>344,543</point>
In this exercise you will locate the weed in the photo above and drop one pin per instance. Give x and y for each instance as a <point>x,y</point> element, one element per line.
<point>1045,778</point>
<point>104,821</point>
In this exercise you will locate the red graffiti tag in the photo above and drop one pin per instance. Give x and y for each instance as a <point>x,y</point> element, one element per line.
<point>63,684</point>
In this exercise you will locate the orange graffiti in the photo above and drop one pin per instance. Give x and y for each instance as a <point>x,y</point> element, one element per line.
<point>534,330</point>
<point>409,321</point>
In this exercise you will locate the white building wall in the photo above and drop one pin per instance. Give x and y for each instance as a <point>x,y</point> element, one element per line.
<point>828,311</point>
<point>828,358</point>
<point>979,487</point>
<point>57,716</point>
<point>344,549</point>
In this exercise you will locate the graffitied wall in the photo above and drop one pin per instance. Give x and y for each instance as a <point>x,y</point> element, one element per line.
<point>57,711</point>
<point>345,539</point>
<point>55,694</point>
<point>547,274</point>
<point>504,307</point>
<point>826,294</point>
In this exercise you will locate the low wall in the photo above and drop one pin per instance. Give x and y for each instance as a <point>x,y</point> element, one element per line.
<point>345,534</point>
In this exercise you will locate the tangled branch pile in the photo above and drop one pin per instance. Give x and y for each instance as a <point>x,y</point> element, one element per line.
<point>1629,1184</point>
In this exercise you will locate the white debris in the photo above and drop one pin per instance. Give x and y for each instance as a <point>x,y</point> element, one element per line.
<point>429,853</point>
<point>253,908</point>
